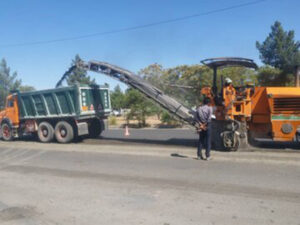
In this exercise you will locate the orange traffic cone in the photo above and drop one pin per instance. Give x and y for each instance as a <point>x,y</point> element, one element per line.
<point>126,131</point>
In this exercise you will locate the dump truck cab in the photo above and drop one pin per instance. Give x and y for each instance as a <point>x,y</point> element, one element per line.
<point>11,110</point>
<point>9,116</point>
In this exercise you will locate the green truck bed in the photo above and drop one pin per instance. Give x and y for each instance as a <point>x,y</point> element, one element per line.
<point>74,101</point>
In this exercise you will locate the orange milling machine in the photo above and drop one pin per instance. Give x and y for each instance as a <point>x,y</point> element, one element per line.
<point>248,113</point>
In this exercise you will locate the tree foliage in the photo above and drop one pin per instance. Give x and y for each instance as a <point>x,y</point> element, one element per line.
<point>153,74</point>
<point>140,107</point>
<point>9,82</point>
<point>168,119</point>
<point>79,75</point>
<point>24,88</point>
<point>117,98</point>
<point>281,51</point>
<point>271,76</point>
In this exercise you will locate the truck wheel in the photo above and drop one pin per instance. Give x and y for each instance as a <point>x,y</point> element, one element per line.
<point>95,128</point>
<point>64,132</point>
<point>6,132</point>
<point>45,132</point>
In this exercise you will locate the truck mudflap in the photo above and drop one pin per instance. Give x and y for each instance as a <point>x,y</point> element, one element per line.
<point>82,128</point>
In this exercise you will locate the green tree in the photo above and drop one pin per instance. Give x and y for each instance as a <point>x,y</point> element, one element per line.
<point>153,74</point>
<point>186,82</point>
<point>117,98</point>
<point>24,88</point>
<point>168,119</point>
<point>182,82</point>
<point>140,107</point>
<point>79,75</point>
<point>9,82</point>
<point>280,50</point>
<point>271,76</point>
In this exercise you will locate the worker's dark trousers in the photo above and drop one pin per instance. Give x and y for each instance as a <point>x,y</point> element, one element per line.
<point>205,140</point>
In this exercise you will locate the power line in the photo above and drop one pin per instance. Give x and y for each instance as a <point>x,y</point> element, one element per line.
<point>135,27</point>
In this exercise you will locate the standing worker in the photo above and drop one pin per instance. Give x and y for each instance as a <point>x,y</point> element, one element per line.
<point>203,117</point>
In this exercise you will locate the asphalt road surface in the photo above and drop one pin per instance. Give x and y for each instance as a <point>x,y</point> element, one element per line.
<point>175,137</point>
<point>145,184</point>
<point>186,138</point>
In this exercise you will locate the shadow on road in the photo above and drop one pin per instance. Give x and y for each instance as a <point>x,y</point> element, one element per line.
<point>172,141</point>
<point>178,155</point>
<point>278,145</point>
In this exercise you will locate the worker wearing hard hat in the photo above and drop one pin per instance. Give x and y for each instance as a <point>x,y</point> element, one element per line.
<point>229,94</point>
<point>228,81</point>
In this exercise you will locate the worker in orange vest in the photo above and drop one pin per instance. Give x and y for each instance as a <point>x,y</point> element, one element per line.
<point>229,95</point>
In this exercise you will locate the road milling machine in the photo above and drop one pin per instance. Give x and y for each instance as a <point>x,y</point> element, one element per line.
<point>242,114</point>
<point>248,114</point>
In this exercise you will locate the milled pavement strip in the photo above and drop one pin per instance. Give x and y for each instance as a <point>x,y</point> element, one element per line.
<point>166,183</point>
<point>23,160</point>
<point>14,155</point>
<point>6,151</point>
<point>12,159</point>
<point>290,158</point>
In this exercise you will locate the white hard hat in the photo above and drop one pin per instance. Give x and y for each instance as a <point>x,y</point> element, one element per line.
<point>228,80</point>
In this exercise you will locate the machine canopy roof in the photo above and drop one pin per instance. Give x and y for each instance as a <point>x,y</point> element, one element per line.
<point>229,61</point>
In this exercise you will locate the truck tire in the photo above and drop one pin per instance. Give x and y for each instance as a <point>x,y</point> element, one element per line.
<point>95,128</point>
<point>64,132</point>
<point>6,131</point>
<point>45,132</point>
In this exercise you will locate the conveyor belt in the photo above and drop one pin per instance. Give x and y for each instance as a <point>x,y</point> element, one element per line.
<point>136,82</point>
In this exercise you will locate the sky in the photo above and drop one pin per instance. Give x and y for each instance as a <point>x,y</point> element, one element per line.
<point>231,32</point>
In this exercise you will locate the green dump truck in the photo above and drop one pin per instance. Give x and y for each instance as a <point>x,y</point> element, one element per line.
<point>61,113</point>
